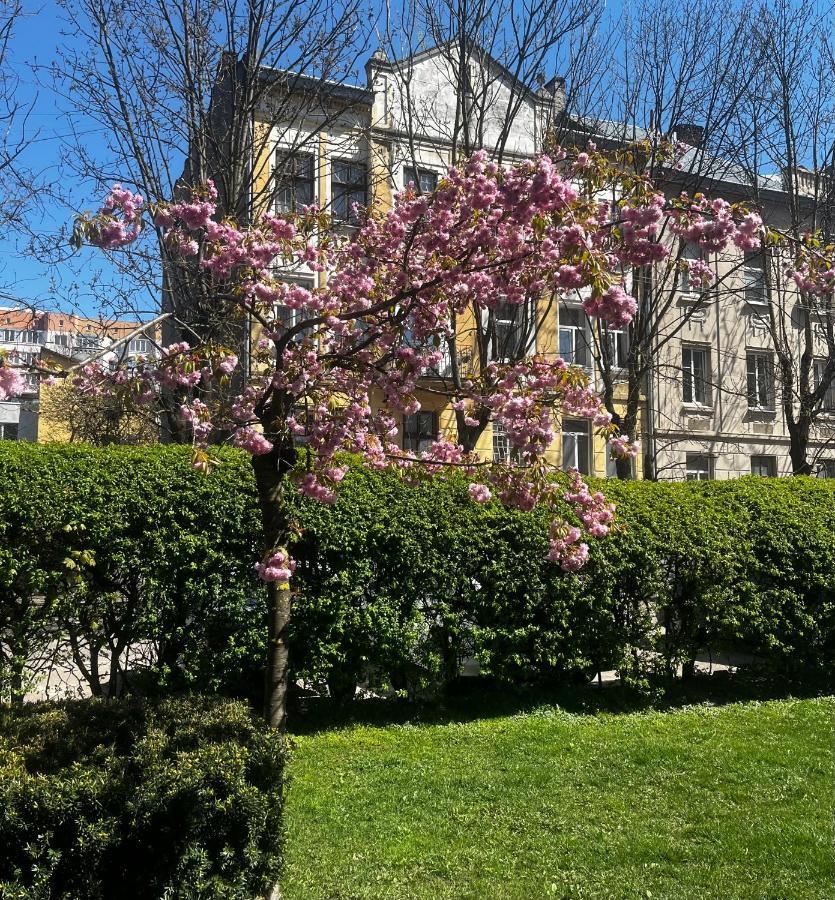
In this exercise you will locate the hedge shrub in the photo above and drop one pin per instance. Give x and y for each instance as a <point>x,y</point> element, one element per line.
<point>398,583</point>
<point>130,799</point>
<point>129,546</point>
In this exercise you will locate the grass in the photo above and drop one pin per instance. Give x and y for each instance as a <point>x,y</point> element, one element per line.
<point>727,802</point>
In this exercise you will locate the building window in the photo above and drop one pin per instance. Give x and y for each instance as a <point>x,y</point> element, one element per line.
<point>690,253</point>
<point>574,345</point>
<point>760,381</point>
<point>501,444</point>
<point>61,340</point>
<point>753,280</point>
<point>87,342</point>
<point>513,325</point>
<point>349,186</point>
<point>8,431</point>
<point>695,366</point>
<point>295,184</point>
<point>576,445</point>
<point>826,468</point>
<point>615,346</point>
<point>420,431</point>
<point>291,316</point>
<point>828,399</point>
<point>425,179</point>
<point>764,466</point>
<point>139,347</point>
<point>698,467</point>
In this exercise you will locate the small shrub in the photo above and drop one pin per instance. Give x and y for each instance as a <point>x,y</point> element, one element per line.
<point>181,798</point>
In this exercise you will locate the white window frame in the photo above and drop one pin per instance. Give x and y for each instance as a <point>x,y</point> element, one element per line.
<point>697,380</point>
<point>530,333</point>
<point>285,181</point>
<point>419,174</point>
<point>826,468</point>
<point>502,451</point>
<point>611,464</point>
<point>573,455</point>
<point>692,292</point>
<point>425,442</point>
<point>614,337</point>
<point>753,281</point>
<point>828,399</point>
<point>694,471</point>
<point>576,334</point>
<point>768,461</point>
<point>759,369</point>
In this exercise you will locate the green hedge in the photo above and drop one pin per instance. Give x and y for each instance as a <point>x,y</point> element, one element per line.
<point>399,583</point>
<point>135,800</point>
<point>129,546</point>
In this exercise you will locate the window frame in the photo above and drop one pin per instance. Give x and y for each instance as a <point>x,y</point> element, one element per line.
<point>526,329</point>
<point>583,431</point>
<point>770,464</point>
<point>754,289</point>
<point>761,379</point>
<point>352,190</point>
<point>691,473</point>
<point>422,439</point>
<point>691,293</point>
<point>419,173</point>
<point>576,332</point>
<point>828,399</point>
<point>695,379</point>
<point>290,181</point>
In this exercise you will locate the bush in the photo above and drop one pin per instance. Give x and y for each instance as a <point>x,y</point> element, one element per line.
<point>397,583</point>
<point>130,799</point>
<point>130,548</point>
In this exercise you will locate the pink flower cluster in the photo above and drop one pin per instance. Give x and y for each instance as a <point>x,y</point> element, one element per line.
<point>623,448</point>
<point>12,383</point>
<point>278,567</point>
<point>614,306</point>
<point>714,224</point>
<point>119,221</point>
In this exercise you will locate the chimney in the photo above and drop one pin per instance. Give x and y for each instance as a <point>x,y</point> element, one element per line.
<point>552,91</point>
<point>689,133</point>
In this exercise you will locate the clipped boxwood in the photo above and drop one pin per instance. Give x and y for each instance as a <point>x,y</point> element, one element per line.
<point>180,798</point>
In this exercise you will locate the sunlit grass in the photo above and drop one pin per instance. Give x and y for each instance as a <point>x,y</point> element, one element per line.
<point>719,802</point>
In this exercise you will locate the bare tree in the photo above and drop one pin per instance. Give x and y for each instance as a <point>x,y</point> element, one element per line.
<point>787,126</point>
<point>674,94</point>
<point>199,90</point>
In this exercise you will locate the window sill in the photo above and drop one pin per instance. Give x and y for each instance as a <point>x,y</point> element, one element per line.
<point>696,409</point>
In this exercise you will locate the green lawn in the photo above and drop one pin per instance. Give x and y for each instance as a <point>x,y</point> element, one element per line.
<point>702,802</point>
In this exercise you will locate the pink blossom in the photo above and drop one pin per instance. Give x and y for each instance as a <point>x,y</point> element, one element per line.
<point>12,382</point>
<point>278,567</point>
<point>479,492</point>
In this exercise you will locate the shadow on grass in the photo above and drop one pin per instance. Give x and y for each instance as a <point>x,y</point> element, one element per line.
<point>480,698</point>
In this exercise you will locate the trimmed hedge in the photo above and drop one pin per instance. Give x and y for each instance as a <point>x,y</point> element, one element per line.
<point>398,583</point>
<point>135,800</point>
<point>129,546</point>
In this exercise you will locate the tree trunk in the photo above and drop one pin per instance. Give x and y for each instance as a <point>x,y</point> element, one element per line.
<point>270,470</point>
<point>799,448</point>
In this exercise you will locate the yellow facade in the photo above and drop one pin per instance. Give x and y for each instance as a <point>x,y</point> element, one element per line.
<point>377,156</point>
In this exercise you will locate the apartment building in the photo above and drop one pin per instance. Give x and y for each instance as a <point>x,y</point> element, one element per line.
<point>402,127</point>
<point>29,337</point>
<point>709,408</point>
